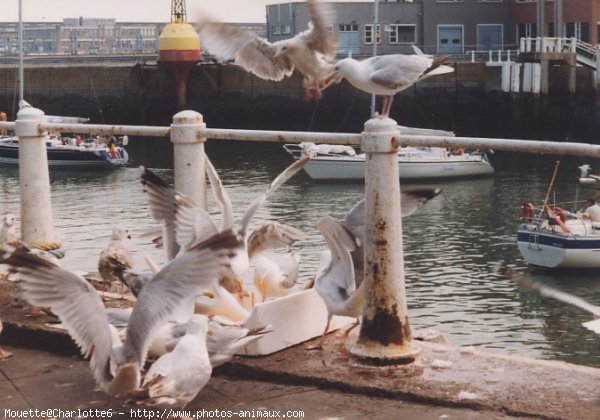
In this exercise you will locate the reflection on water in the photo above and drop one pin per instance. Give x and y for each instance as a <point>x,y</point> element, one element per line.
<point>450,246</point>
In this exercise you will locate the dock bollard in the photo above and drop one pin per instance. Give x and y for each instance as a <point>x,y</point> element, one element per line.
<point>385,337</point>
<point>34,180</point>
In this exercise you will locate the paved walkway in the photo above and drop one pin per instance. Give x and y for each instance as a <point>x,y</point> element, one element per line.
<point>35,379</point>
<point>444,382</point>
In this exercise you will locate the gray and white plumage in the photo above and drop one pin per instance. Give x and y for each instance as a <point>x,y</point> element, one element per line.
<point>275,265</point>
<point>116,255</point>
<point>116,365</point>
<point>221,302</point>
<point>175,379</point>
<point>310,52</point>
<point>386,75</point>
<point>339,278</point>
<point>8,235</point>
<point>227,338</point>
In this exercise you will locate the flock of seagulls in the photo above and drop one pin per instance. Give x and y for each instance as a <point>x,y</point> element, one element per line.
<point>312,52</point>
<point>188,314</point>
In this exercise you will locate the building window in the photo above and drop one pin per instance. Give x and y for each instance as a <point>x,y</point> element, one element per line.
<point>348,27</point>
<point>402,34</point>
<point>526,30</point>
<point>370,35</point>
<point>276,30</point>
<point>579,30</point>
<point>286,29</point>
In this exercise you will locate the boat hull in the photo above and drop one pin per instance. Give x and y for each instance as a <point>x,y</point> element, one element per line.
<point>344,169</point>
<point>555,250</point>
<point>69,157</point>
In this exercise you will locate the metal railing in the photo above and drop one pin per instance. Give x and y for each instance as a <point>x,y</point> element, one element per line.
<point>385,335</point>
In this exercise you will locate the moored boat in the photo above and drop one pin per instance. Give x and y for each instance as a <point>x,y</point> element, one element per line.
<point>346,163</point>
<point>552,237</point>
<point>72,152</point>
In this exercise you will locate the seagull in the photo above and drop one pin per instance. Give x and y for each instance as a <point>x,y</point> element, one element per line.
<point>585,169</point>
<point>117,253</point>
<point>311,52</point>
<point>223,303</point>
<point>175,379</point>
<point>8,236</point>
<point>339,278</point>
<point>116,364</point>
<point>386,75</point>
<point>227,338</point>
<point>275,273</point>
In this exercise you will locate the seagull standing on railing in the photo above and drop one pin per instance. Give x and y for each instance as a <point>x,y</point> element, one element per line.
<point>387,75</point>
<point>311,52</point>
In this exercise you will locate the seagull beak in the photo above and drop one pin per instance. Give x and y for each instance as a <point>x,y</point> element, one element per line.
<point>333,78</point>
<point>209,294</point>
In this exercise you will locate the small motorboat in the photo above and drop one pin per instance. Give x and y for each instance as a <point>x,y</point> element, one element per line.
<point>71,152</point>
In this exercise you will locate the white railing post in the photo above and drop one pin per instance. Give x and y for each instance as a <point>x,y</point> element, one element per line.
<point>34,180</point>
<point>385,335</point>
<point>188,156</point>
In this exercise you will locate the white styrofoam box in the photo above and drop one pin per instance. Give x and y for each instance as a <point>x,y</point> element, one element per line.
<point>293,319</point>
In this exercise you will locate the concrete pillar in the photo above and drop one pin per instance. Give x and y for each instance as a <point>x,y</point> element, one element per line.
<point>515,78</point>
<point>544,76</point>
<point>536,72</point>
<point>188,156</point>
<point>540,18</point>
<point>527,77</point>
<point>385,335</point>
<point>506,76</point>
<point>572,82</point>
<point>34,179</point>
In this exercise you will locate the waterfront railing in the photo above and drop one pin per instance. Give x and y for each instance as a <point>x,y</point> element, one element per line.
<point>385,335</point>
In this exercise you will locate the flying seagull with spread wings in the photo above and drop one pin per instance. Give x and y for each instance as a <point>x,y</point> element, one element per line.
<point>311,52</point>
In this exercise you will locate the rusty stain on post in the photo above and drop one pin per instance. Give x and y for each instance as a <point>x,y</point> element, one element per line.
<point>385,336</point>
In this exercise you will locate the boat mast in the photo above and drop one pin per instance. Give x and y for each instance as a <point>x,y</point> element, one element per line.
<point>375,39</point>
<point>20,51</point>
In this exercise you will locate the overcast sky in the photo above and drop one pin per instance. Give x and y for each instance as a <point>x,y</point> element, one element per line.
<point>133,10</point>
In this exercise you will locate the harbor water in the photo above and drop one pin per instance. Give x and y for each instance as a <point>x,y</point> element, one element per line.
<point>451,245</point>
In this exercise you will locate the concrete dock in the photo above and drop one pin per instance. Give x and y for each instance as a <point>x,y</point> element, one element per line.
<point>444,382</point>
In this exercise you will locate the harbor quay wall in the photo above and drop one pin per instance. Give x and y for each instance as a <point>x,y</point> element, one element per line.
<point>468,101</point>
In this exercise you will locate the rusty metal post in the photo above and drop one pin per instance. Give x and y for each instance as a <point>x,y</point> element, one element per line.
<point>385,335</point>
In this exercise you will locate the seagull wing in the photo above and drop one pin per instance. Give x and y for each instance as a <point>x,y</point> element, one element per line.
<point>319,37</point>
<point>74,301</point>
<point>255,54</point>
<point>193,225</point>
<point>289,172</point>
<point>185,276</point>
<point>410,201</point>
<point>340,272</point>
<point>163,208</point>
<point>398,71</point>
<point>220,195</point>
<point>273,235</point>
